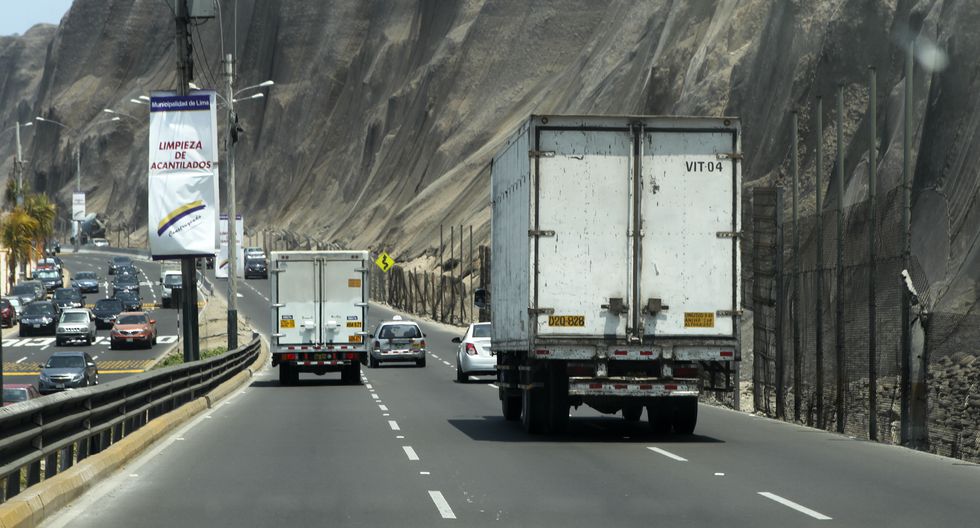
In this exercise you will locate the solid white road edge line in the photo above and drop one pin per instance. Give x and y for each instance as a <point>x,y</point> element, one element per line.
<point>802,509</point>
<point>667,454</point>
<point>442,505</point>
<point>410,453</point>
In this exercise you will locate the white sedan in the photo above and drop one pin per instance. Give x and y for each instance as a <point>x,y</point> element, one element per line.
<point>474,355</point>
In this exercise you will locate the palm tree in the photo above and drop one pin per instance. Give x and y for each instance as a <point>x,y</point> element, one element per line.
<point>40,208</point>
<point>17,232</point>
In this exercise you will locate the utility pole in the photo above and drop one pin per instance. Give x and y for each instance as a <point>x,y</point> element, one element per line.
<point>19,168</point>
<point>188,269</point>
<point>232,209</point>
<point>906,338</point>
<point>78,188</point>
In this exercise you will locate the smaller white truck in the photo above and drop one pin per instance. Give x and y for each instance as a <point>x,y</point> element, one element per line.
<point>170,279</point>
<point>319,313</point>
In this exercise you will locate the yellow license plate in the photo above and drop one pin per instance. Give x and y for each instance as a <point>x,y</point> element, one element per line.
<point>699,320</point>
<point>287,323</point>
<point>354,339</point>
<point>566,320</point>
<point>353,283</point>
<point>353,324</point>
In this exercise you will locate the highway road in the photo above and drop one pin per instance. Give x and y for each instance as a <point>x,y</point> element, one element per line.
<point>411,447</point>
<point>22,355</point>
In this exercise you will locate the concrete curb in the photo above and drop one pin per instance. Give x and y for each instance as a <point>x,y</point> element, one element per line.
<point>31,507</point>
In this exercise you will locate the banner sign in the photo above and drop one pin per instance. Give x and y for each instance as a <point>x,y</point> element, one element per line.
<point>221,264</point>
<point>78,206</point>
<point>183,175</point>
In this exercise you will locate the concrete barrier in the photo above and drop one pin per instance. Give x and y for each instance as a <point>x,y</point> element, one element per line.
<point>36,503</point>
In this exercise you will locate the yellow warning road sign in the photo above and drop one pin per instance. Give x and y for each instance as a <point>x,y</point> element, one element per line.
<point>385,262</point>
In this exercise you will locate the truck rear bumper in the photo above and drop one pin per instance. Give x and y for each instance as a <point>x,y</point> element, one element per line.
<point>636,353</point>
<point>632,387</point>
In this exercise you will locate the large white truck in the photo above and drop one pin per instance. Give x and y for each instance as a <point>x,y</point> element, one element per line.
<point>319,313</point>
<point>170,280</point>
<point>615,276</point>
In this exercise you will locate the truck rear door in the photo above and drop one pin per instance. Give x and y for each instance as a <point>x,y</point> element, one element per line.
<point>297,307</point>
<point>689,217</point>
<point>581,245</point>
<point>344,306</point>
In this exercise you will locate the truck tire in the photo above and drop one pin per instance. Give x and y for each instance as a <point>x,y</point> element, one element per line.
<point>557,390</point>
<point>285,374</point>
<point>534,411</point>
<point>351,374</point>
<point>685,416</point>
<point>659,416</point>
<point>632,413</point>
<point>510,405</point>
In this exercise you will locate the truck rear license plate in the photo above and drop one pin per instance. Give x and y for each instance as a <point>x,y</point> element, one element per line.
<point>566,320</point>
<point>699,320</point>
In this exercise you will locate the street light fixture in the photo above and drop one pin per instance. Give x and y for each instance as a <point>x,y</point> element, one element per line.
<point>117,113</point>
<point>254,96</point>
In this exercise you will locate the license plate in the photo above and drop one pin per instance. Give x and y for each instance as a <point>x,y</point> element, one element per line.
<point>59,385</point>
<point>566,320</point>
<point>37,326</point>
<point>129,339</point>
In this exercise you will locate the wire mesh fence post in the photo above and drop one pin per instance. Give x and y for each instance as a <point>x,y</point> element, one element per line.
<point>780,319</point>
<point>872,256</point>
<point>839,325</point>
<point>794,311</point>
<point>819,267</point>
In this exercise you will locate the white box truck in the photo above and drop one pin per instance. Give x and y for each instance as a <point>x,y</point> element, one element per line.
<point>615,276</point>
<point>170,280</point>
<point>319,313</point>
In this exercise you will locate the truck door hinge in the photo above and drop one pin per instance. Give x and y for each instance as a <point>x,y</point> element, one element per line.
<point>540,311</point>
<point>654,306</point>
<point>616,306</point>
<point>734,156</point>
<point>540,233</point>
<point>728,313</point>
<point>540,153</point>
<point>728,234</point>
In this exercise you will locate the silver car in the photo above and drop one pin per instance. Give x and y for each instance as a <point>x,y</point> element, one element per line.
<point>473,355</point>
<point>397,340</point>
<point>76,324</point>
<point>67,370</point>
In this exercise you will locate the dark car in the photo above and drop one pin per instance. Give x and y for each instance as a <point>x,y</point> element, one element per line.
<point>86,281</point>
<point>39,318</point>
<point>131,300</point>
<point>105,311</point>
<point>24,292</point>
<point>125,283</point>
<point>51,279</point>
<point>66,298</point>
<point>18,392</point>
<point>119,262</point>
<point>8,316</point>
<point>67,370</point>
<point>127,270</point>
<point>255,267</point>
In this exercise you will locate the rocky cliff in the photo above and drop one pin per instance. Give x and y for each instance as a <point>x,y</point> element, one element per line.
<point>385,113</point>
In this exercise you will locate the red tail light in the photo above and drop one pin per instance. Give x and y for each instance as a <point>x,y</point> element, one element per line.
<point>422,344</point>
<point>288,357</point>
<point>350,355</point>
<point>470,349</point>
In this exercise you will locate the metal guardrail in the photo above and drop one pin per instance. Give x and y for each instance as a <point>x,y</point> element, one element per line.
<point>51,434</point>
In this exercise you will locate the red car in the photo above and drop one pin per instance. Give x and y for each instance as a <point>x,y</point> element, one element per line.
<point>132,328</point>
<point>7,314</point>
<point>16,392</point>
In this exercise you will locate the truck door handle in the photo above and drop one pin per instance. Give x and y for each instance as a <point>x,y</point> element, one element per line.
<point>654,306</point>
<point>616,306</point>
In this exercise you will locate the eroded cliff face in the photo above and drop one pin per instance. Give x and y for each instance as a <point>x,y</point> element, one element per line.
<point>385,114</point>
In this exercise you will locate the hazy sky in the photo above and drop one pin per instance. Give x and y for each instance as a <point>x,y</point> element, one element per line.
<point>20,15</point>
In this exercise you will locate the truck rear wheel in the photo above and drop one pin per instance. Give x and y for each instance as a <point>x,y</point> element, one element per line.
<point>685,417</point>
<point>534,411</point>
<point>286,375</point>
<point>510,405</point>
<point>659,416</point>
<point>351,374</point>
<point>632,413</point>
<point>557,390</point>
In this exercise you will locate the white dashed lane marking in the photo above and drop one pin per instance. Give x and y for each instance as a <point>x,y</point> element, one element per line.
<point>667,454</point>
<point>442,505</point>
<point>394,425</point>
<point>410,453</point>
<point>790,504</point>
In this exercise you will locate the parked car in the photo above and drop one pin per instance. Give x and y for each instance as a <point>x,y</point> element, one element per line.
<point>473,356</point>
<point>66,298</point>
<point>17,305</point>
<point>39,318</point>
<point>50,278</point>
<point>18,392</point>
<point>100,242</point>
<point>75,324</point>
<point>118,262</point>
<point>67,370</point>
<point>133,328</point>
<point>131,300</point>
<point>124,283</point>
<point>27,293</point>
<point>256,267</point>
<point>8,316</point>
<point>105,312</point>
<point>86,281</point>
<point>397,340</point>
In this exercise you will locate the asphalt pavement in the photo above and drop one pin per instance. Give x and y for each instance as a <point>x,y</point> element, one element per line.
<point>412,447</point>
<point>22,355</point>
